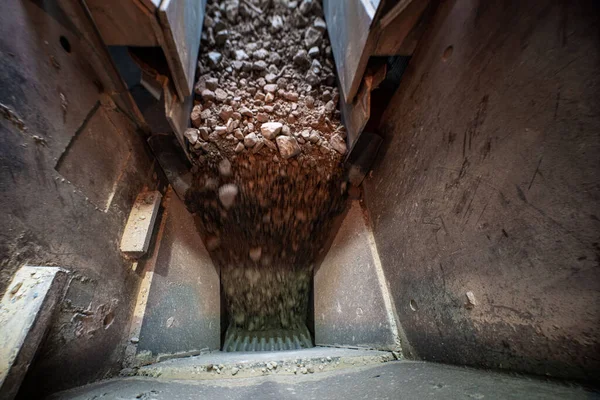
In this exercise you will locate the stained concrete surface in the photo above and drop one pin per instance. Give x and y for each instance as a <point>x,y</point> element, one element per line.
<point>394,380</point>
<point>349,304</point>
<point>183,308</point>
<point>47,95</point>
<point>488,182</point>
<point>25,313</point>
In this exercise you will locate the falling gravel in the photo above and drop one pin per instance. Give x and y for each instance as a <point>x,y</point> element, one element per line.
<point>268,149</point>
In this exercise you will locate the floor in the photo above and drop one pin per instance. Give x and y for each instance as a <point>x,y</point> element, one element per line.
<point>392,380</point>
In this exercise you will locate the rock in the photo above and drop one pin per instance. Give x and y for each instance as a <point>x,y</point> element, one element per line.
<point>312,79</point>
<point>270,145</point>
<point>269,98</point>
<point>250,140</point>
<point>237,65</point>
<point>206,113</point>
<point>306,6</point>
<point>276,23</point>
<point>260,54</point>
<point>241,55</point>
<point>134,340</point>
<point>220,130</point>
<point>274,58</point>
<point>320,25</point>
<point>270,78</point>
<point>270,130</point>
<point>220,95</point>
<point>214,59</point>
<point>315,66</point>
<point>246,112</point>
<point>310,369</point>
<point>232,10</point>
<point>238,134</point>
<point>301,59</point>
<point>314,137</point>
<point>303,370</point>
<point>471,301</point>
<point>288,147</point>
<point>208,21</point>
<point>291,96</point>
<point>270,88</point>
<point>208,95</point>
<point>211,83</point>
<point>258,146</point>
<point>313,51</point>
<point>227,194</point>
<point>192,135</point>
<point>196,115</point>
<point>230,126</point>
<point>204,132</point>
<point>338,144</point>
<point>219,24</point>
<point>239,147</point>
<point>226,113</point>
<point>213,137</point>
<point>221,37</point>
<point>262,117</point>
<point>235,370</point>
<point>259,65</point>
<point>312,37</point>
<point>255,254</point>
<point>225,167</point>
<point>309,102</point>
<point>285,130</point>
<point>329,107</point>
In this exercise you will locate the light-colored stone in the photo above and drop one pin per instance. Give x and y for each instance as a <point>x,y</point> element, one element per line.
<point>220,130</point>
<point>192,135</point>
<point>270,130</point>
<point>225,167</point>
<point>227,194</point>
<point>270,88</point>
<point>250,140</point>
<point>288,146</point>
<point>338,144</point>
<point>220,95</point>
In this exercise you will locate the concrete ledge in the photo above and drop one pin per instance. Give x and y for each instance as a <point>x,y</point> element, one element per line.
<point>138,231</point>
<point>25,314</point>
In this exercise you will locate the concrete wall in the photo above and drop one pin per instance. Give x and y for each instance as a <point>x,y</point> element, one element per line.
<point>71,165</point>
<point>489,182</point>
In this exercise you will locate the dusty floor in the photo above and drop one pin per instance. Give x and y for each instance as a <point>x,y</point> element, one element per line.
<point>268,147</point>
<point>392,380</point>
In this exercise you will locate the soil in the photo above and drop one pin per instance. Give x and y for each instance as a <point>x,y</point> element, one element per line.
<point>268,147</point>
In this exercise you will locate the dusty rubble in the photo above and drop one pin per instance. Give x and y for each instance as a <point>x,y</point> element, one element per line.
<point>268,148</point>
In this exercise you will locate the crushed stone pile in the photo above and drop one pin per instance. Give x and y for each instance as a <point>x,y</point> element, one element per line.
<point>268,147</point>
